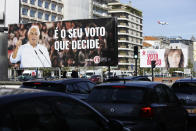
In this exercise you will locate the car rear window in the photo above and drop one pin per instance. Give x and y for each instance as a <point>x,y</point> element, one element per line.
<point>44,86</point>
<point>111,94</point>
<point>184,87</point>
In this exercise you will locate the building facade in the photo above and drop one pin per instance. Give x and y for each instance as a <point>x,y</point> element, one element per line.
<point>154,42</point>
<point>130,32</point>
<point>41,10</point>
<point>85,9</point>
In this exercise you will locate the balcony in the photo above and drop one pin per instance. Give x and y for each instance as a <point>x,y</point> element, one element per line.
<point>100,14</point>
<point>124,56</point>
<point>119,63</point>
<point>126,49</point>
<point>103,6</point>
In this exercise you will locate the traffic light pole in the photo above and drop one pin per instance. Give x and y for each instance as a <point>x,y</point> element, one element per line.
<point>152,73</point>
<point>135,66</point>
<point>153,65</point>
<point>135,57</point>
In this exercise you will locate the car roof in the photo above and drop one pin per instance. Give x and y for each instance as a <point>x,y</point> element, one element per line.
<point>13,94</point>
<point>62,81</point>
<point>128,78</point>
<point>186,80</point>
<point>8,95</point>
<point>144,84</point>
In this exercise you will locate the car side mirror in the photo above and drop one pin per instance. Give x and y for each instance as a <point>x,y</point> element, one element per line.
<point>116,125</point>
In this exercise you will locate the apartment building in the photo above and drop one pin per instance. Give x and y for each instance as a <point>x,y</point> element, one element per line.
<point>85,9</point>
<point>130,32</point>
<point>41,10</point>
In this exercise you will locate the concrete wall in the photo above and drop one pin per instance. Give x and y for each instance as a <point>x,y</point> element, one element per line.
<point>76,9</point>
<point>3,57</point>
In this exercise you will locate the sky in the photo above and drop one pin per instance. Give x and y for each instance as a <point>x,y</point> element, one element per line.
<point>179,14</point>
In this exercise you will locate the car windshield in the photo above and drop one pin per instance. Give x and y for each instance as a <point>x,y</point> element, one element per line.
<point>125,95</point>
<point>89,73</point>
<point>186,87</point>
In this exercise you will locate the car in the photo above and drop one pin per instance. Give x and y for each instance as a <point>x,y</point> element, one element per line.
<point>38,110</point>
<point>140,105</point>
<point>185,90</point>
<point>95,78</point>
<point>77,87</point>
<point>127,78</point>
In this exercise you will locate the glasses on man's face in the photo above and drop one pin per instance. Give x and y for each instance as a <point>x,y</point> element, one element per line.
<point>34,33</point>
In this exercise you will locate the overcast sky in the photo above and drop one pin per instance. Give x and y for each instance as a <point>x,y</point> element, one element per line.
<point>179,14</point>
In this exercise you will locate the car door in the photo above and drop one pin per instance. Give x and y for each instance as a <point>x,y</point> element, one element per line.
<point>77,116</point>
<point>35,114</point>
<point>162,106</point>
<point>176,110</point>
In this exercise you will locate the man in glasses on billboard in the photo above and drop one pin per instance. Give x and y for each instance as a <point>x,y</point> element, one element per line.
<point>31,54</point>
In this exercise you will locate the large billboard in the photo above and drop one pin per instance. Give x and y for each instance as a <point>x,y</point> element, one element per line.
<point>87,42</point>
<point>169,58</point>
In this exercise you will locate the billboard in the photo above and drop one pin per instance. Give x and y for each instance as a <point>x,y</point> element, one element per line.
<point>87,42</point>
<point>169,58</point>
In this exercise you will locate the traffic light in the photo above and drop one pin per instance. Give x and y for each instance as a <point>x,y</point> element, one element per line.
<point>153,63</point>
<point>135,52</point>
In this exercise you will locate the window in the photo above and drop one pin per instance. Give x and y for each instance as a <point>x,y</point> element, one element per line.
<point>59,9</point>
<point>171,95</point>
<point>47,4</point>
<point>59,18</point>
<point>24,11</point>
<point>162,94</point>
<point>112,94</point>
<point>53,6</point>
<point>53,17</point>
<point>47,16</point>
<point>91,85</point>
<point>32,2</point>
<point>36,115</point>
<point>77,116</point>
<point>40,14</point>
<point>24,1</point>
<point>82,87</point>
<point>40,2</point>
<point>32,13</point>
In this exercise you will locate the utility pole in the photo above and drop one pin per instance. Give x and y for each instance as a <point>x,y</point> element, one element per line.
<point>135,57</point>
<point>153,65</point>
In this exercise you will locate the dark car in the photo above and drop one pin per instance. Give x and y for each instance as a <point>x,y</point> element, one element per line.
<point>141,105</point>
<point>185,89</point>
<point>95,78</point>
<point>74,86</point>
<point>37,110</point>
<point>127,78</point>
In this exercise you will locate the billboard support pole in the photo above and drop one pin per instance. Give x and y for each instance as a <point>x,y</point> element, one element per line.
<point>59,72</point>
<point>109,71</point>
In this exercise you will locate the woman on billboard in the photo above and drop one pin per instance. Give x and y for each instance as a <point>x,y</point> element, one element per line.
<point>174,58</point>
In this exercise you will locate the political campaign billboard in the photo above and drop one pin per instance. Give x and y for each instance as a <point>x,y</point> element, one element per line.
<point>169,58</point>
<point>85,42</point>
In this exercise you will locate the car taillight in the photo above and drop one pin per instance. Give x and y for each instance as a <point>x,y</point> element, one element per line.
<point>146,112</point>
<point>37,83</point>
